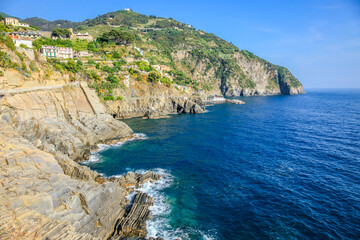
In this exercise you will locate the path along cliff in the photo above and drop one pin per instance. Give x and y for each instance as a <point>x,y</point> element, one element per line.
<point>45,193</point>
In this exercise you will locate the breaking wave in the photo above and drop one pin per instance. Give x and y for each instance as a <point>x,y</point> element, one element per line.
<point>96,156</point>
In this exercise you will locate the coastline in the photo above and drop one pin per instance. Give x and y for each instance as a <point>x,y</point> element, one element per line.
<point>64,126</point>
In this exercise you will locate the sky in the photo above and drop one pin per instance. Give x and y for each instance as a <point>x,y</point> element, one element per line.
<point>317,40</point>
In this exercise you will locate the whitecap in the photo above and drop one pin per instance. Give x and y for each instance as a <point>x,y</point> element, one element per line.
<point>95,155</point>
<point>159,224</point>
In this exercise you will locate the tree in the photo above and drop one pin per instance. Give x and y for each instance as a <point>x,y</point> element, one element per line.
<point>154,76</point>
<point>117,37</point>
<point>59,32</point>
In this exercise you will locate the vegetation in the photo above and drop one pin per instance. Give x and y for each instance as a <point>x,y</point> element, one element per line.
<point>119,18</point>
<point>61,33</point>
<point>69,66</point>
<point>46,25</point>
<point>8,42</point>
<point>52,42</point>
<point>144,66</point>
<point>191,57</point>
<point>285,76</point>
<point>154,76</point>
<point>117,37</point>
<point>166,81</point>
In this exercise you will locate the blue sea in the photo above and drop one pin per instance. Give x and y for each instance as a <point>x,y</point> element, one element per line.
<point>278,167</point>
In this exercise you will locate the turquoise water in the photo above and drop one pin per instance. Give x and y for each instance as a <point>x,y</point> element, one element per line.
<point>279,167</point>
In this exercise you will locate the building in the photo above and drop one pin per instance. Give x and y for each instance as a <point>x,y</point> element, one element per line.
<point>28,34</point>
<point>81,54</point>
<point>15,22</point>
<point>23,41</point>
<point>48,51</point>
<point>64,52</point>
<point>57,52</point>
<point>85,36</point>
<point>127,9</point>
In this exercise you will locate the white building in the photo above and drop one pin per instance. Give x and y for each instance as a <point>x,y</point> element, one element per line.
<point>57,52</point>
<point>26,42</point>
<point>85,36</point>
<point>81,54</point>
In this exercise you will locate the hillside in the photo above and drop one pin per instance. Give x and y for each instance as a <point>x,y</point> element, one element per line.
<point>46,25</point>
<point>5,15</point>
<point>195,58</point>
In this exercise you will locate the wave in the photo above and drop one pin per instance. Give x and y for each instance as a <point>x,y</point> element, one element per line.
<point>159,224</point>
<point>95,155</point>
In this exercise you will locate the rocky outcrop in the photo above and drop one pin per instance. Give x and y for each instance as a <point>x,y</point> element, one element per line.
<point>134,221</point>
<point>239,74</point>
<point>135,179</point>
<point>153,107</point>
<point>45,194</point>
<point>62,121</point>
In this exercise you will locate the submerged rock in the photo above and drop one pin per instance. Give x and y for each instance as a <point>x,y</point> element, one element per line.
<point>235,101</point>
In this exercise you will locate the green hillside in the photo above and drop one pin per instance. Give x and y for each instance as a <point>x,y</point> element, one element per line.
<point>192,57</point>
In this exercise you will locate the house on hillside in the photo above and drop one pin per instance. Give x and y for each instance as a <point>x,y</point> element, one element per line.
<point>81,54</point>
<point>15,22</point>
<point>127,9</point>
<point>85,36</point>
<point>25,41</point>
<point>28,34</point>
<point>57,52</point>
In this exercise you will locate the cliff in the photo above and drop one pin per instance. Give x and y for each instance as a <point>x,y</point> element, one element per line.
<point>44,192</point>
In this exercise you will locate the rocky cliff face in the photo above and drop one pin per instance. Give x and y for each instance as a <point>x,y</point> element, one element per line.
<point>239,74</point>
<point>153,101</point>
<point>45,194</point>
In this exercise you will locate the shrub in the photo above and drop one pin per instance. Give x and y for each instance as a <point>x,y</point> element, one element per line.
<point>106,69</point>
<point>166,81</point>
<point>20,56</point>
<point>119,98</point>
<point>91,62</point>
<point>93,76</point>
<point>144,66</point>
<point>23,46</point>
<point>154,76</point>
<point>113,79</point>
<point>116,54</point>
<point>32,66</point>
<point>109,98</point>
<point>8,42</point>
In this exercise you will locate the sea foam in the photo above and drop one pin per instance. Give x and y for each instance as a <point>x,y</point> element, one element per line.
<point>95,155</point>
<point>159,224</point>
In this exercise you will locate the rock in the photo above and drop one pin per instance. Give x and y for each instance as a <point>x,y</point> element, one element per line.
<point>235,101</point>
<point>154,107</point>
<point>42,134</point>
<point>134,179</point>
<point>134,221</point>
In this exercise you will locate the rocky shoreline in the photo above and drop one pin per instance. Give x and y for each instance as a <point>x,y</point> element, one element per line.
<point>45,193</point>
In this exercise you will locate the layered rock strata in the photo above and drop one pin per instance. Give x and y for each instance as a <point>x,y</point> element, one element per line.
<point>153,107</point>
<point>45,194</point>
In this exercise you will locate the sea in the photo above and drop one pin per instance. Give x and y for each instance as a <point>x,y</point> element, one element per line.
<point>277,167</point>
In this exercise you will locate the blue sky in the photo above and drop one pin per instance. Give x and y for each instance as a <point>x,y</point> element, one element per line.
<point>318,40</point>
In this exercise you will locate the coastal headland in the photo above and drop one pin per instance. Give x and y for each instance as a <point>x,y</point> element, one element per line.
<point>54,112</point>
